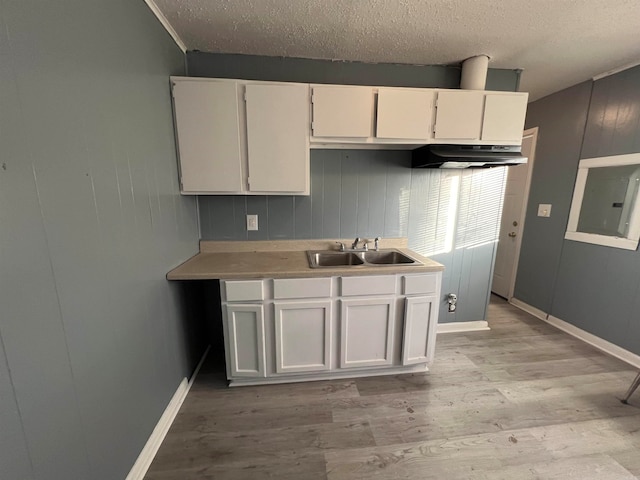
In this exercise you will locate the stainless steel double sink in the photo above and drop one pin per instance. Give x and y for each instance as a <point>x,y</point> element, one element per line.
<point>333,258</point>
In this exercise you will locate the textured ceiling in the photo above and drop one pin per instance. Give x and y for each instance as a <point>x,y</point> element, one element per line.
<point>557,43</point>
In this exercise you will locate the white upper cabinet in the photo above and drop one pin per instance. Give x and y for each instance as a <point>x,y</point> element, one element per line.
<point>277,138</point>
<point>504,116</point>
<point>242,137</point>
<point>459,114</point>
<point>207,129</point>
<point>342,111</point>
<point>405,113</point>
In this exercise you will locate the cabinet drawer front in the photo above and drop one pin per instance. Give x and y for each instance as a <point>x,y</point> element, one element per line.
<point>301,288</point>
<point>243,290</point>
<point>415,284</point>
<point>374,285</point>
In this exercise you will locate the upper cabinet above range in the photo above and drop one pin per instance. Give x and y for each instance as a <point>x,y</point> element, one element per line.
<point>386,117</point>
<point>241,137</point>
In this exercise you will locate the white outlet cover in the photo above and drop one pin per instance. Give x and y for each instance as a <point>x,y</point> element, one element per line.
<point>252,222</point>
<point>544,210</point>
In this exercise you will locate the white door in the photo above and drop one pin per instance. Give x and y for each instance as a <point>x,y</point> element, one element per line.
<point>342,111</point>
<point>303,336</point>
<point>504,116</point>
<point>513,215</point>
<point>366,334</point>
<point>208,131</point>
<point>278,138</point>
<point>245,340</point>
<point>459,115</point>
<point>404,113</point>
<point>418,342</point>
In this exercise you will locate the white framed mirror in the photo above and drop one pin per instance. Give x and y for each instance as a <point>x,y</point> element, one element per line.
<point>605,209</point>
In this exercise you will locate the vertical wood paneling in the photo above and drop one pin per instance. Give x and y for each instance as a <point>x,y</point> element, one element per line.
<point>91,221</point>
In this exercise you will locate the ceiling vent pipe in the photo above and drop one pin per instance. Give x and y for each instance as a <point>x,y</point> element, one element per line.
<point>474,73</point>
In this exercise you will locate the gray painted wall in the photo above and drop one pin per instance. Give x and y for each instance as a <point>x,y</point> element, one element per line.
<point>595,288</point>
<point>561,120</point>
<point>93,340</point>
<point>371,193</point>
<point>303,70</point>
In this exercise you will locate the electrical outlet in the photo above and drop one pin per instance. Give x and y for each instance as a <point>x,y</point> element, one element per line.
<point>252,222</point>
<point>544,210</point>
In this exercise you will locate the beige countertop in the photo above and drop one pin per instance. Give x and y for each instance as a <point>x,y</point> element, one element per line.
<point>282,259</point>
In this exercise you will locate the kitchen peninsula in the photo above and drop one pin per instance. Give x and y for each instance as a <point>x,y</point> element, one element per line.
<point>284,321</point>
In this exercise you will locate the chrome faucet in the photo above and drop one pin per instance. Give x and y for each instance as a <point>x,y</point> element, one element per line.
<point>377,243</point>
<point>364,248</point>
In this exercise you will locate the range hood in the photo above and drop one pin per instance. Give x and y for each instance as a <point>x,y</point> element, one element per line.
<point>466,156</point>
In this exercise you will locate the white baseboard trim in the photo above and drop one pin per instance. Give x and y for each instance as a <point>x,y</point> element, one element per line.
<point>456,327</point>
<point>148,453</point>
<point>595,341</point>
<point>536,312</point>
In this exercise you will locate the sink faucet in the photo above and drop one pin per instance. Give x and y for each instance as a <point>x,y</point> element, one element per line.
<point>377,243</point>
<point>354,245</point>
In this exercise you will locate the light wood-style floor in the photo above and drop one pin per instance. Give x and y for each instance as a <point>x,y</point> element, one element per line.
<point>522,401</point>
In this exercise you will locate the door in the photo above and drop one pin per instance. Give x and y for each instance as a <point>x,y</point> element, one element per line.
<point>512,223</point>
<point>208,130</point>
<point>404,113</point>
<point>504,117</point>
<point>303,336</point>
<point>345,112</point>
<point>418,342</point>
<point>278,138</point>
<point>459,115</point>
<point>246,342</point>
<point>366,332</point>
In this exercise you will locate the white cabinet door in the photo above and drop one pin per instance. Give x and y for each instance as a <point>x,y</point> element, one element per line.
<point>245,340</point>
<point>278,138</point>
<point>342,111</point>
<point>459,114</point>
<point>207,130</point>
<point>303,336</point>
<point>366,332</point>
<point>404,113</point>
<point>504,117</point>
<point>419,339</point>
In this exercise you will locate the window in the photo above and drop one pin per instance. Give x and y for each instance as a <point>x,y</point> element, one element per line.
<point>605,207</point>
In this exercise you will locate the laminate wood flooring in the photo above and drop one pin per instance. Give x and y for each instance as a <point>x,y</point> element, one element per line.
<point>520,401</point>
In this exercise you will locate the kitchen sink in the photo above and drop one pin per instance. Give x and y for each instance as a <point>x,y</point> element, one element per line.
<point>387,258</point>
<point>332,258</point>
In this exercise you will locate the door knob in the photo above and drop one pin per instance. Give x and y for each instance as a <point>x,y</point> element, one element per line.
<point>515,224</point>
<point>512,234</point>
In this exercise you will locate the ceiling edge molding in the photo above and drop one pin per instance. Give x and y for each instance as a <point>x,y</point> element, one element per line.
<point>615,70</point>
<point>167,26</point>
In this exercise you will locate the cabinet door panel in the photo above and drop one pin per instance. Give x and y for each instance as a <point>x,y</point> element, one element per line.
<point>246,342</point>
<point>207,128</point>
<point>366,332</point>
<point>342,111</point>
<point>303,336</point>
<point>404,113</point>
<point>419,331</point>
<point>504,117</point>
<point>278,138</point>
<point>459,115</point>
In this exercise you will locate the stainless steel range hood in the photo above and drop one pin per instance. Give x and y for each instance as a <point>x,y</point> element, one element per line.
<point>466,156</point>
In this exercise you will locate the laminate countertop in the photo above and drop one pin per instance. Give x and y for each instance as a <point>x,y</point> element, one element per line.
<point>283,259</point>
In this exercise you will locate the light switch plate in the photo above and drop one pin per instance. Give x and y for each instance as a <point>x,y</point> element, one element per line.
<point>252,222</point>
<point>544,210</point>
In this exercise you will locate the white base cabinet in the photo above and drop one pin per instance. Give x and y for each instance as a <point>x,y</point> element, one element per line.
<point>289,330</point>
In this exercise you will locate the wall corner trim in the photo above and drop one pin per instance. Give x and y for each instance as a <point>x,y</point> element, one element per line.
<point>456,327</point>
<point>167,26</point>
<point>529,309</point>
<point>150,449</point>
<point>595,341</point>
